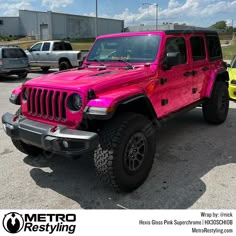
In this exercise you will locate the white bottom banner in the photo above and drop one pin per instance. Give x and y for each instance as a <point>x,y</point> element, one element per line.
<point>118,222</point>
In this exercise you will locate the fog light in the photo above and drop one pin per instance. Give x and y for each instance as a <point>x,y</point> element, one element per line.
<point>65,144</point>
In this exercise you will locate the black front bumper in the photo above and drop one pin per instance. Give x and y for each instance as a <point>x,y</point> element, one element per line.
<point>57,139</point>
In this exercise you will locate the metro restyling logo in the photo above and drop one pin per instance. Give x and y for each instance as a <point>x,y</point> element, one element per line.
<point>13,223</point>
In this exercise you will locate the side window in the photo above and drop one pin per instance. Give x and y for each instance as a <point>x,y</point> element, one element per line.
<point>214,48</point>
<point>46,47</point>
<point>36,47</point>
<point>177,45</point>
<point>67,47</point>
<point>57,46</point>
<point>198,48</point>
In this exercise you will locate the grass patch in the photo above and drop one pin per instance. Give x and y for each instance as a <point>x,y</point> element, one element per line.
<point>229,51</point>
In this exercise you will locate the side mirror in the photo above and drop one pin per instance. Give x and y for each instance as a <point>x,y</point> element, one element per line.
<point>171,59</point>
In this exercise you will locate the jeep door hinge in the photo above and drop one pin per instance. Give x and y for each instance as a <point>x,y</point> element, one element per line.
<point>164,102</point>
<point>163,81</point>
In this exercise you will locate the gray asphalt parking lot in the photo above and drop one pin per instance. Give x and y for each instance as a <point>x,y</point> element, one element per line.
<point>195,167</point>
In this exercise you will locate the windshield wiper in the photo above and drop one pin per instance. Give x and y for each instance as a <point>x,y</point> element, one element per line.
<point>129,65</point>
<point>100,63</point>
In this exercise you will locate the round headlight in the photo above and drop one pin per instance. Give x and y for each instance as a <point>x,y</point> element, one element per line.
<point>25,94</point>
<point>75,102</point>
<point>233,81</point>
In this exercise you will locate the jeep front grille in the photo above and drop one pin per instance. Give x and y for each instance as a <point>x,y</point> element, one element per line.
<point>47,104</point>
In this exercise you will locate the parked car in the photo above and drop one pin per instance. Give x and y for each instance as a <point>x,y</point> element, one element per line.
<point>232,79</point>
<point>48,54</point>
<point>129,84</point>
<point>13,61</point>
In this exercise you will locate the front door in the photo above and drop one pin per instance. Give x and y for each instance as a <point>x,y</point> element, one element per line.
<point>174,89</point>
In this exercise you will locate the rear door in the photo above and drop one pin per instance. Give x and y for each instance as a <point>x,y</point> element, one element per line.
<point>199,65</point>
<point>14,58</point>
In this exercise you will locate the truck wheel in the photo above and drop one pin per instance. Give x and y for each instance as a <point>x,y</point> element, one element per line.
<point>23,75</point>
<point>23,147</point>
<point>45,68</point>
<point>126,151</point>
<point>64,65</point>
<point>215,110</point>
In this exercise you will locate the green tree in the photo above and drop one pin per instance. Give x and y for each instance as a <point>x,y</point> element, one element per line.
<point>219,25</point>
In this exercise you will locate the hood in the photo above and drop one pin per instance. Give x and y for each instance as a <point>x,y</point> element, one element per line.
<point>100,80</point>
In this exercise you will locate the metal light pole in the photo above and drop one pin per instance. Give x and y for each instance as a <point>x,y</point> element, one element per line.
<point>96,20</point>
<point>153,4</point>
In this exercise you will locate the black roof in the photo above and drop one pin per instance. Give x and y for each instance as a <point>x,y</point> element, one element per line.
<point>193,31</point>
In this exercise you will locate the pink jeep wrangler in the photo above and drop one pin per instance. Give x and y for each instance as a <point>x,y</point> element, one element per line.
<point>112,105</point>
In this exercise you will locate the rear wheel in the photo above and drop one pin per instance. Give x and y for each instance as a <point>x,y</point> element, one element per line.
<point>64,65</point>
<point>126,151</point>
<point>215,110</point>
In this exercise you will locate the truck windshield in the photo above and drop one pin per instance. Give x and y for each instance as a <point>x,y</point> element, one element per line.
<point>126,48</point>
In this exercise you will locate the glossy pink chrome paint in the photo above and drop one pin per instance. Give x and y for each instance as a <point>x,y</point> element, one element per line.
<point>113,84</point>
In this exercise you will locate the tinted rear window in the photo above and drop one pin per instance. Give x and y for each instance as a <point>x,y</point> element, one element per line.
<point>198,48</point>
<point>61,46</point>
<point>214,48</point>
<point>13,53</point>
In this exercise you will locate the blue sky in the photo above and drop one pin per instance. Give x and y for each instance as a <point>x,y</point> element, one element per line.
<point>193,12</point>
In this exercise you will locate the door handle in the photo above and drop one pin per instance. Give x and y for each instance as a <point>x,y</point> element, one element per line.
<point>194,72</point>
<point>188,73</point>
<point>37,54</point>
<point>205,68</point>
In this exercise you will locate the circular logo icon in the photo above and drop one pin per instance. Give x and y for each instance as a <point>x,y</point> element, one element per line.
<point>13,222</point>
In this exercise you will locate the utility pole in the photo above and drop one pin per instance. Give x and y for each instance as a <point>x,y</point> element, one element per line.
<point>153,4</point>
<point>96,20</point>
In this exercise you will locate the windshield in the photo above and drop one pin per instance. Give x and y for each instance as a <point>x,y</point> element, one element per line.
<point>128,48</point>
<point>233,64</point>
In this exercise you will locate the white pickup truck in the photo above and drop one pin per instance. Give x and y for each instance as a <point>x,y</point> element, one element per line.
<point>47,54</point>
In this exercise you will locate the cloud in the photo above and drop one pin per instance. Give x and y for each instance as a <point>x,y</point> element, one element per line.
<point>196,12</point>
<point>56,4</point>
<point>12,7</point>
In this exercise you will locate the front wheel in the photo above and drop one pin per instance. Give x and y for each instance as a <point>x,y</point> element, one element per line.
<point>126,151</point>
<point>45,68</point>
<point>23,75</point>
<point>24,147</point>
<point>215,110</point>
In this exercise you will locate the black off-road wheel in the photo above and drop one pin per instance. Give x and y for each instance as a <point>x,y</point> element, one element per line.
<point>26,148</point>
<point>126,151</point>
<point>215,109</point>
<point>64,65</point>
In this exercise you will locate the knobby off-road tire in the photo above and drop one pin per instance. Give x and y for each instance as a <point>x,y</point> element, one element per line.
<point>215,110</point>
<point>23,147</point>
<point>126,151</point>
